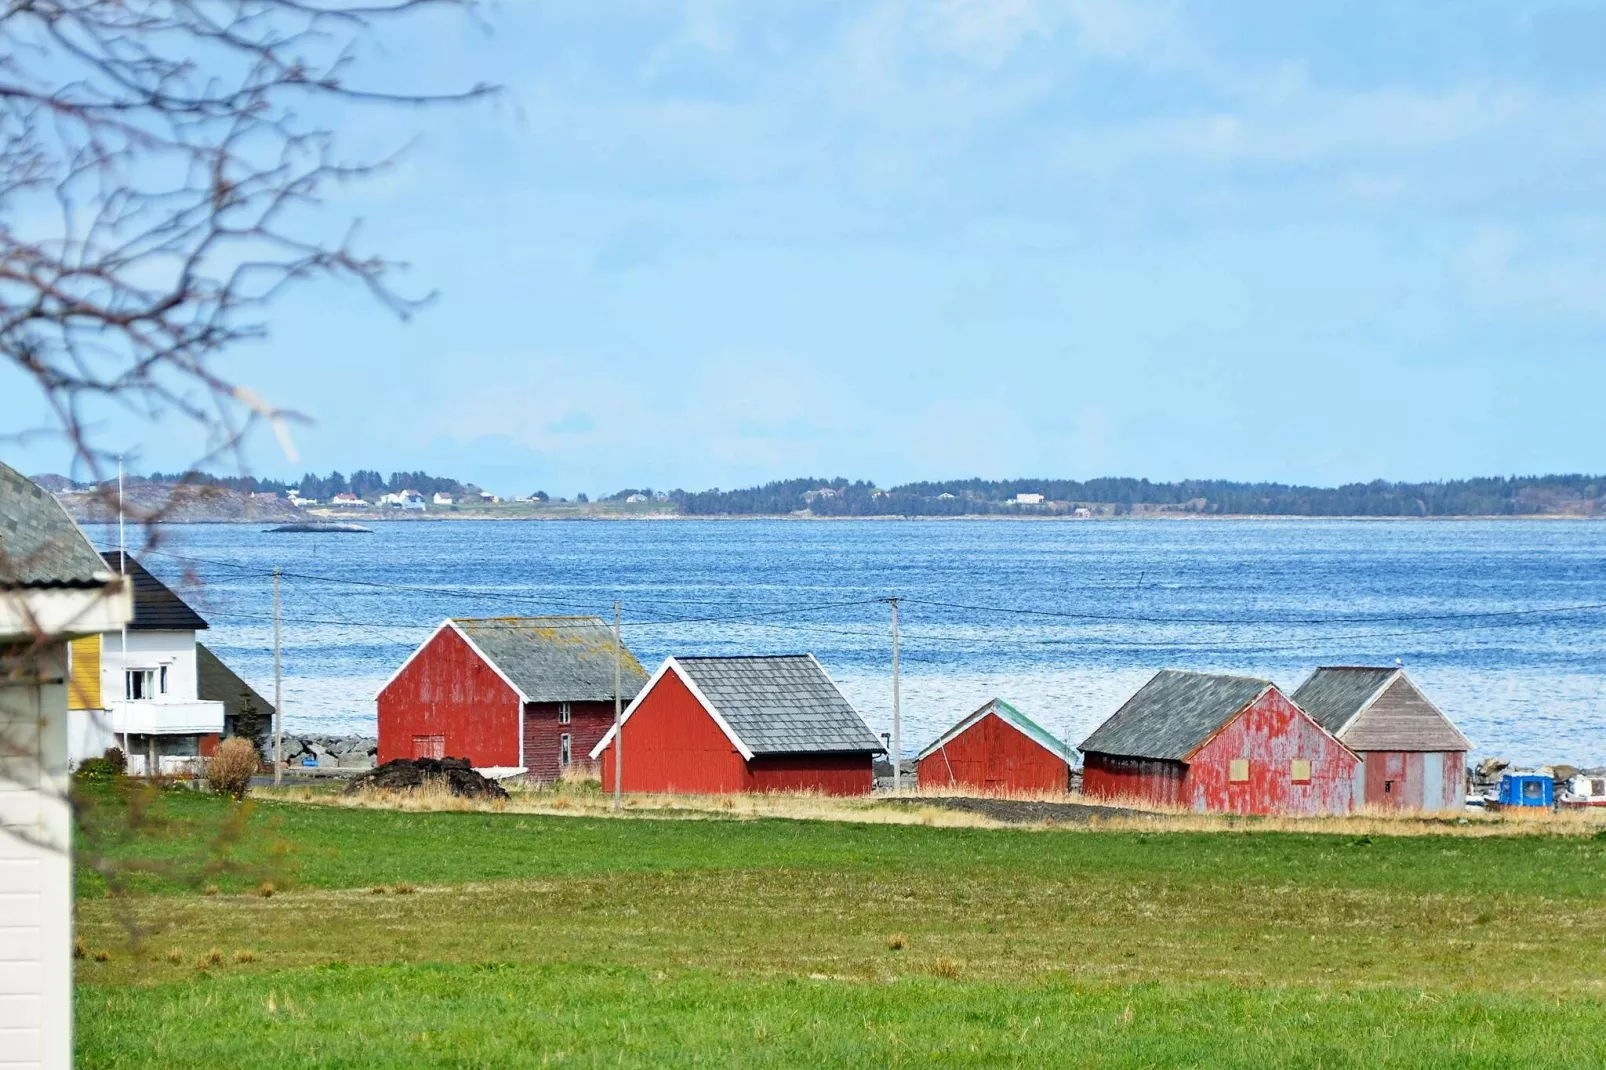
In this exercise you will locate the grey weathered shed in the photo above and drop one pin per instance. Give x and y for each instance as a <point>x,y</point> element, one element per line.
<point>1377,709</point>
<point>1172,714</point>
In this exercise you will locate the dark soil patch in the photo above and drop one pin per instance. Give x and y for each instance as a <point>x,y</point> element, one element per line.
<point>1024,811</point>
<point>404,774</point>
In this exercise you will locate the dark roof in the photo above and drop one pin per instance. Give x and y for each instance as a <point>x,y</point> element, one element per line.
<point>40,546</point>
<point>1011,716</point>
<point>781,704</point>
<point>1172,714</point>
<point>1334,694</point>
<point>555,659</point>
<point>1377,709</point>
<point>156,607</point>
<point>216,682</point>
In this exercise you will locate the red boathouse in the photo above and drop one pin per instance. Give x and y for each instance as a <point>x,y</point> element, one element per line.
<point>997,748</point>
<point>1218,744</point>
<point>710,726</point>
<point>1412,756</point>
<point>514,693</point>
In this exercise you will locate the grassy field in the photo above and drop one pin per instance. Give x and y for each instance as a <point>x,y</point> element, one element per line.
<point>521,939</point>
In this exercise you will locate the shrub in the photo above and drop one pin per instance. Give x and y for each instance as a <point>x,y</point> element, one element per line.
<point>945,967</point>
<point>96,769</point>
<point>897,942</point>
<point>231,769</point>
<point>118,760</point>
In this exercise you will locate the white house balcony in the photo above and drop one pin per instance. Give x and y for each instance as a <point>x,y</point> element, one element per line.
<point>158,717</point>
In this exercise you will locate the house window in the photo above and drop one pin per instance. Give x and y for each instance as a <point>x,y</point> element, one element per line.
<point>1299,771</point>
<point>1238,773</point>
<point>563,713</point>
<point>139,685</point>
<point>162,679</point>
<point>565,751</point>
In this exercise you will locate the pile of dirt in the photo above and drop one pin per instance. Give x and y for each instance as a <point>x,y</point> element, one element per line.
<point>1023,811</point>
<point>404,774</point>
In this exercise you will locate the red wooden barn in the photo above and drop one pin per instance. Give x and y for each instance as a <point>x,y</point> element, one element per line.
<point>1412,756</point>
<point>1228,744</point>
<point>997,748</point>
<point>530,693</point>
<point>716,725</point>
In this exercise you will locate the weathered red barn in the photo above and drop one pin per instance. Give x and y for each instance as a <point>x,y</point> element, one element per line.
<point>710,726</point>
<point>530,693</point>
<point>1230,744</point>
<point>1412,756</point>
<point>997,748</point>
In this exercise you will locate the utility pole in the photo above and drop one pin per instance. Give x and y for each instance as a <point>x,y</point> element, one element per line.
<point>278,692</point>
<point>897,726</point>
<point>618,715</point>
<point>122,572</point>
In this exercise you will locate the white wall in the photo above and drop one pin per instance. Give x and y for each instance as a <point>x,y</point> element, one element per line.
<point>149,650</point>
<point>35,872</point>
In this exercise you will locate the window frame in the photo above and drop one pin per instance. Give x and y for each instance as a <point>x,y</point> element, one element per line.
<point>565,750</point>
<point>1237,766</point>
<point>1294,770</point>
<point>565,714</point>
<point>149,688</point>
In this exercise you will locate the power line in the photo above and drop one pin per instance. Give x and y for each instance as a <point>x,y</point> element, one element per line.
<point>1148,619</point>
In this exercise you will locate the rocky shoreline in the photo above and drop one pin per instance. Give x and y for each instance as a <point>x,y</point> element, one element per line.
<point>325,752</point>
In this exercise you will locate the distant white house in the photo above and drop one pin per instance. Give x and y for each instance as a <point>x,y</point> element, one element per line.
<point>411,499</point>
<point>346,499</point>
<point>54,588</point>
<point>945,497</point>
<point>137,688</point>
<point>487,498</point>
<point>635,498</point>
<point>442,498</point>
<point>1027,498</point>
<point>295,499</point>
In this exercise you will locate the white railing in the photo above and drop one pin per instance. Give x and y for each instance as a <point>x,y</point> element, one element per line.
<point>159,718</point>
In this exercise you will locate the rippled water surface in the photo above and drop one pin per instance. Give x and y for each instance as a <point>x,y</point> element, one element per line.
<point>1502,622</point>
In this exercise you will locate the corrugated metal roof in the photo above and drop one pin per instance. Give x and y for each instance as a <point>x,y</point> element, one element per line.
<point>781,704</point>
<point>1172,714</point>
<point>1334,694</point>
<point>556,659</point>
<point>40,546</point>
<point>156,607</point>
<point>1377,709</point>
<point>1028,727</point>
<point>216,682</point>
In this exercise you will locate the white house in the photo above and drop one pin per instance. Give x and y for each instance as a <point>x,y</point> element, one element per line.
<point>137,688</point>
<point>53,588</point>
<point>442,498</point>
<point>636,498</point>
<point>1027,498</point>
<point>346,498</point>
<point>411,499</point>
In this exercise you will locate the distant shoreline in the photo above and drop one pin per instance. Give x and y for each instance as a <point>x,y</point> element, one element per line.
<point>459,518</point>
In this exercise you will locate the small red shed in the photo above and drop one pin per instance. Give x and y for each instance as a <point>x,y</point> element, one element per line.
<point>1412,756</point>
<point>997,748</point>
<point>712,726</point>
<point>514,693</point>
<point>1228,744</point>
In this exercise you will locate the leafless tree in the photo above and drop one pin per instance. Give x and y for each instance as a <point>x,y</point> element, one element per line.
<point>160,161</point>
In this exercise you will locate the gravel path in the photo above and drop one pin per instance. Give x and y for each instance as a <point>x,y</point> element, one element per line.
<point>1022,811</point>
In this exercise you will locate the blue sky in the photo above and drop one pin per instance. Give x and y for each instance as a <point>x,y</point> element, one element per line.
<point>711,243</point>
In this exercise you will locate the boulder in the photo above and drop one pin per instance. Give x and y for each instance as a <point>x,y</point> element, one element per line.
<point>356,760</point>
<point>1490,769</point>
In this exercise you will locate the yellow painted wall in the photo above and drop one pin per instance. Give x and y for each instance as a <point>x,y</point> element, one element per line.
<point>83,692</point>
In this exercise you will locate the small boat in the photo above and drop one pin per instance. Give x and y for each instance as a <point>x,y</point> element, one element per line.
<point>319,527</point>
<point>1585,790</point>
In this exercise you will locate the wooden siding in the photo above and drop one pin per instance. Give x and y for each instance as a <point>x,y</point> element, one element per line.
<point>671,744</point>
<point>1139,780</point>
<point>1402,719</point>
<point>448,690</point>
<point>1271,733</point>
<point>1406,780</point>
<point>588,723</point>
<point>828,774</point>
<point>994,755</point>
<point>83,691</point>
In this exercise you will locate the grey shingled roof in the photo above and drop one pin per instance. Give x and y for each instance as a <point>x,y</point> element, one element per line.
<point>1333,695</point>
<point>1010,715</point>
<point>781,704</point>
<point>1172,714</point>
<point>216,682</point>
<point>156,607</point>
<point>556,659</point>
<point>40,546</point>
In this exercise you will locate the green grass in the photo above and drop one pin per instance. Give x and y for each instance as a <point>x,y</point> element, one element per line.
<point>535,940</point>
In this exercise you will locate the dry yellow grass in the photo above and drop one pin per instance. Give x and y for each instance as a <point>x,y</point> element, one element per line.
<point>560,800</point>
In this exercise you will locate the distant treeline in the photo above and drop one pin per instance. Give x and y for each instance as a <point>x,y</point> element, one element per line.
<point>364,483</point>
<point>1492,496</point>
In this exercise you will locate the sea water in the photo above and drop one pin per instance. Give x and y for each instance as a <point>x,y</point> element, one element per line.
<point>1503,623</point>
